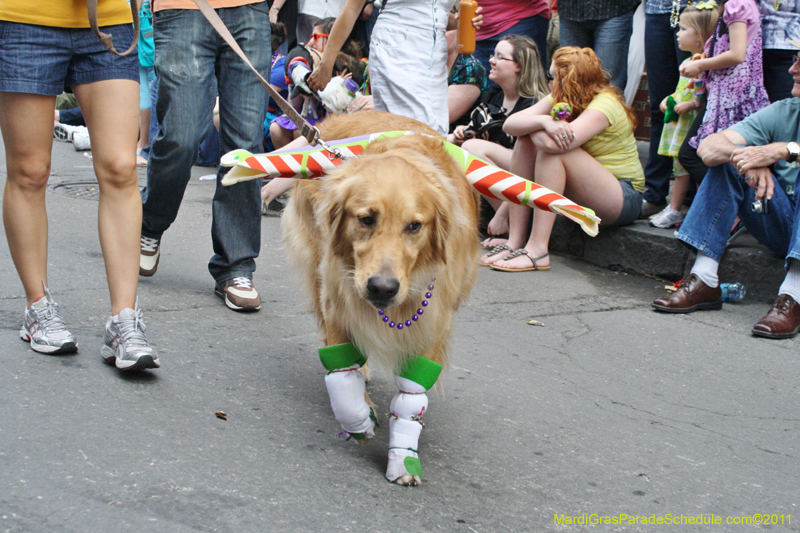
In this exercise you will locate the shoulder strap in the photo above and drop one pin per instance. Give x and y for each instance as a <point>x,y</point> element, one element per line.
<point>107,39</point>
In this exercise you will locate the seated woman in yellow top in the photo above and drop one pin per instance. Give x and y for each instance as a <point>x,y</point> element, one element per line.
<point>590,157</point>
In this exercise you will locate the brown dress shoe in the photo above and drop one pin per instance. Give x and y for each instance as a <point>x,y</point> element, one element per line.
<point>692,295</point>
<point>782,321</point>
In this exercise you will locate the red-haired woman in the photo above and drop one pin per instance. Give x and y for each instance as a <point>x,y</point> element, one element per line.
<point>590,156</point>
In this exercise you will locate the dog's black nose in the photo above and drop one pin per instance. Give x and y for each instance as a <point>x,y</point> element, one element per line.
<point>381,289</point>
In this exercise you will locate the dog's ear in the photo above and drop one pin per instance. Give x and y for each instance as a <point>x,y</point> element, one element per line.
<point>441,225</point>
<point>335,215</point>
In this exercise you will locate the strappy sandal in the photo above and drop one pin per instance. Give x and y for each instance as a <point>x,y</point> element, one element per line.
<point>517,253</point>
<point>496,250</point>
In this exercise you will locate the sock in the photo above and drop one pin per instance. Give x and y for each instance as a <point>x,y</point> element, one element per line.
<point>346,389</point>
<point>706,269</point>
<point>405,419</point>
<point>791,283</point>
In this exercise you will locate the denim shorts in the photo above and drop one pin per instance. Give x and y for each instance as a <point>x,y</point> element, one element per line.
<point>631,205</point>
<point>45,60</point>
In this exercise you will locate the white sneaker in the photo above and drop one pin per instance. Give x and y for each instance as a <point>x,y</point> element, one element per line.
<point>125,344</point>
<point>667,218</point>
<point>44,328</point>
<point>65,132</point>
<point>81,141</point>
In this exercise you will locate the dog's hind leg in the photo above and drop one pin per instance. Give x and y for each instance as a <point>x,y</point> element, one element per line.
<point>347,390</point>
<point>405,420</point>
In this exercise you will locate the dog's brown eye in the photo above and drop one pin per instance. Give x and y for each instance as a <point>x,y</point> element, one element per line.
<point>367,221</point>
<point>414,227</point>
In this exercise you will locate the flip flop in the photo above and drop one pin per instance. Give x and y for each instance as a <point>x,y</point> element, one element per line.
<point>140,161</point>
<point>494,251</point>
<point>517,253</point>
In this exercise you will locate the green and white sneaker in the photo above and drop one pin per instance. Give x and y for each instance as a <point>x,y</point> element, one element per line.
<point>44,328</point>
<point>125,344</point>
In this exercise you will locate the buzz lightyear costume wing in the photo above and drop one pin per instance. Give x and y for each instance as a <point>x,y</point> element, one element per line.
<point>487,179</point>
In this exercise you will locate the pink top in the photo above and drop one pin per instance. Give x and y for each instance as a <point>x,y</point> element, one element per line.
<point>500,15</point>
<point>743,11</point>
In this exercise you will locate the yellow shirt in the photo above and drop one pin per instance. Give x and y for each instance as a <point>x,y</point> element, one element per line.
<point>64,13</point>
<point>615,146</point>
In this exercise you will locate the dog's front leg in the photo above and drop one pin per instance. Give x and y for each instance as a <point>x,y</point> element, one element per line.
<point>405,420</point>
<point>347,390</point>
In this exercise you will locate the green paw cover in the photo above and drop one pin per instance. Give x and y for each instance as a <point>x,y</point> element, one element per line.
<point>413,466</point>
<point>341,356</point>
<point>421,370</point>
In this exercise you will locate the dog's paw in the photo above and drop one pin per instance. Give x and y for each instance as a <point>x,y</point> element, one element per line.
<point>404,468</point>
<point>408,480</point>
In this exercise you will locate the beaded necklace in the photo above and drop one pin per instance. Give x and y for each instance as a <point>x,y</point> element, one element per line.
<point>414,318</point>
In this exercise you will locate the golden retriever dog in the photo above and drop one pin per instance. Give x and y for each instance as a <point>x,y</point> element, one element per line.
<point>373,240</point>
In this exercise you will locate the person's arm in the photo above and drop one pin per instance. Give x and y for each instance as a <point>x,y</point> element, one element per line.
<point>737,33</point>
<point>341,31</point>
<point>717,148</point>
<point>528,120</point>
<point>590,123</point>
<point>460,99</point>
<point>275,9</point>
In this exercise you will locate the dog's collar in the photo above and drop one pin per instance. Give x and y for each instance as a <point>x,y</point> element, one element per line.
<point>408,323</point>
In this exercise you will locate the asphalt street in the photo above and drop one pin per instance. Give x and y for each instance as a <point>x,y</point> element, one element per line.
<point>606,409</point>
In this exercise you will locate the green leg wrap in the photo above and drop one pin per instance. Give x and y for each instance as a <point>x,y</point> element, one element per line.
<point>341,356</point>
<point>422,371</point>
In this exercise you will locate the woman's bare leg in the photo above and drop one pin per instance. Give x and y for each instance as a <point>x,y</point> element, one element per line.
<point>26,121</point>
<point>111,111</point>
<point>583,180</point>
<point>522,163</point>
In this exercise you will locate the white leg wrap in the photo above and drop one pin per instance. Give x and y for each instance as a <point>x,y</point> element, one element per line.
<point>346,389</point>
<point>405,425</point>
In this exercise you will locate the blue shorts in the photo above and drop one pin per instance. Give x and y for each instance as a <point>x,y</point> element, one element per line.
<point>46,60</point>
<point>631,205</point>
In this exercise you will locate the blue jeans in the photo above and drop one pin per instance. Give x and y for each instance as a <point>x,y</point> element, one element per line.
<point>722,195</point>
<point>534,27</point>
<point>609,39</point>
<point>660,49</point>
<point>189,54</point>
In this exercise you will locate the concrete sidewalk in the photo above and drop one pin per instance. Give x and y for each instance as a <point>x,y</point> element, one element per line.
<point>647,251</point>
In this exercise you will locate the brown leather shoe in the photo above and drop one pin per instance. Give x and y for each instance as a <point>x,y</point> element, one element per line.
<point>782,321</point>
<point>692,295</point>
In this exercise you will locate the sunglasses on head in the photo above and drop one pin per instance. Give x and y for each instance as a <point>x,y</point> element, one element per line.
<point>315,36</point>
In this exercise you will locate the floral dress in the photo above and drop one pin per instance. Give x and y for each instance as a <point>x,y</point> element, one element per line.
<point>736,92</point>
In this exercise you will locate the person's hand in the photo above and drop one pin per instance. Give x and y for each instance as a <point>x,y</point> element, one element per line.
<point>275,188</point>
<point>692,69</point>
<point>560,131</point>
<point>460,134</point>
<point>761,180</point>
<point>273,15</point>
<point>477,20</point>
<point>684,107</point>
<point>663,105</point>
<point>360,103</point>
<point>319,79</point>
<point>753,157</point>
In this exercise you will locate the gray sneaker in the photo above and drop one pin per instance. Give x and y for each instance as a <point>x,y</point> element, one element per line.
<point>44,328</point>
<point>125,344</point>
